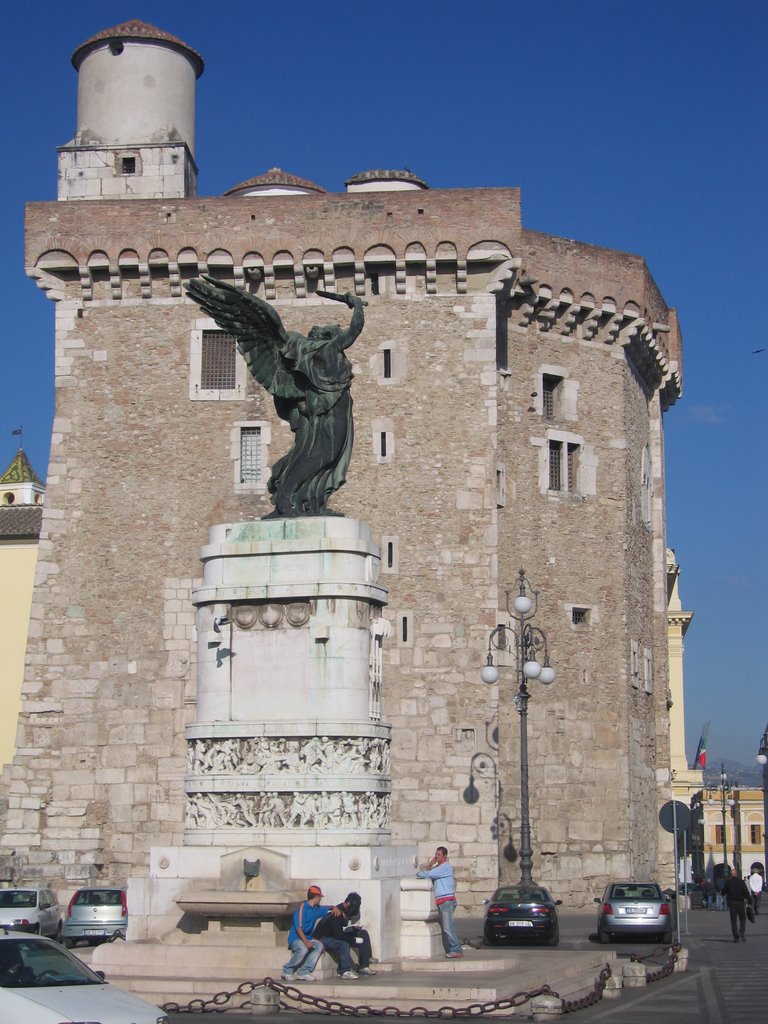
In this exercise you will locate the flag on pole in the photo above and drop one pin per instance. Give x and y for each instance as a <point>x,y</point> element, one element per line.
<point>700,761</point>
<point>16,433</point>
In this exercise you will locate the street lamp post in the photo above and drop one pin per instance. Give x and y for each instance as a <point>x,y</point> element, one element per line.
<point>528,641</point>
<point>725,787</point>
<point>762,759</point>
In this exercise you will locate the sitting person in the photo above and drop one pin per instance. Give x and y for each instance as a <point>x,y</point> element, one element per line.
<point>305,949</point>
<point>357,936</point>
<point>11,966</point>
<point>330,932</point>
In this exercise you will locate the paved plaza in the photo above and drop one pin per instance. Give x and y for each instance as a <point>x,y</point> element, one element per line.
<point>726,983</point>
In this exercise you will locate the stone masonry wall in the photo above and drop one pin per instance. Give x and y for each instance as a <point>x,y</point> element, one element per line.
<point>139,471</point>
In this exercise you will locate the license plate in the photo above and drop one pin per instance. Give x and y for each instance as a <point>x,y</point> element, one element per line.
<point>634,911</point>
<point>520,924</point>
<point>94,931</point>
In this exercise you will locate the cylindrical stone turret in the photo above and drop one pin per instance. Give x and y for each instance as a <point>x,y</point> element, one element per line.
<point>136,85</point>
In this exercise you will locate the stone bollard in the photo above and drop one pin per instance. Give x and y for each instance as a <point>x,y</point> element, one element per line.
<point>264,1001</point>
<point>613,987</point>
<point>634,975</point>
<point>681,964</point>
<point>546,1007</point>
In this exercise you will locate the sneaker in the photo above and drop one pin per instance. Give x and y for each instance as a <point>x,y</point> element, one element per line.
<point>453,956</point>
<point>366,971</point>
<point>349,975</point>
<point>288,975</point>
<point>305,977</point>
<point>374,960</point>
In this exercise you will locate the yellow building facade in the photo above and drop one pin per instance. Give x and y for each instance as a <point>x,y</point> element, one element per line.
<point>21,497</point>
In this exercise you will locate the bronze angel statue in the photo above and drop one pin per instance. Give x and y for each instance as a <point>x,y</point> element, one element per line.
<point>309,380</point>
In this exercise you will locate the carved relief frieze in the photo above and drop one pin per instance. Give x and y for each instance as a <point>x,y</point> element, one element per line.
<point>295,810</point>
<point>314,755</point>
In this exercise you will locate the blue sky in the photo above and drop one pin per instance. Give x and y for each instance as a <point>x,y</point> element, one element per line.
<point>634,124</point>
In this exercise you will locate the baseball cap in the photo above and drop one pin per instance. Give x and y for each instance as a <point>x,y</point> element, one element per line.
<point>314,890</point>
<point>353,897</point>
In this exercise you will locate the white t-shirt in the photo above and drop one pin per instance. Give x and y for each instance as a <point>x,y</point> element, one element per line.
<point>756,882</point>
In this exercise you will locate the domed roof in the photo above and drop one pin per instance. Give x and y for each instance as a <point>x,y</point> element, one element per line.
<point>136,29</point>
<point>405,176</point>
<point>275,182</point>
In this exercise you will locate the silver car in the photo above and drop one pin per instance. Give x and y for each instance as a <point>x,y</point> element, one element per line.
<point>95,914</point>
<point>30,910</point>
<point>634,908</point>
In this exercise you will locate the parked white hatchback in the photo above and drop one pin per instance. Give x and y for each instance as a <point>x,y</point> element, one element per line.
<point>42,983</point>
<point>30,910</point>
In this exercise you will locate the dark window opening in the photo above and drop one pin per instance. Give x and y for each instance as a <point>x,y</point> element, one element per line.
<point>128,165</point>
<point>387,362</point>
<point>390,554</point>
<point>383,443</point>
<point>404,629</point>
<point>580,616</point>
<point>549,395</point>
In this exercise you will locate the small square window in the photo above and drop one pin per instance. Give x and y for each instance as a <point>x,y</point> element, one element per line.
<point>128,165</point>
<point>580,616</point>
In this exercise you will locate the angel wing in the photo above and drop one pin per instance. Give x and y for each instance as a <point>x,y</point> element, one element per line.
<point>257,327</point>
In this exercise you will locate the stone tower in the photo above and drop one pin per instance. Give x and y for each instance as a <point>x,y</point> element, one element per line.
<point>510,390</point>
<point>135,135</point>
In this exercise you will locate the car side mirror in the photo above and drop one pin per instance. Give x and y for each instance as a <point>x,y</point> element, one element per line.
<point>101,974</point>
<point>598,899</point>
<point>486,902</point>
<point>558,903</point>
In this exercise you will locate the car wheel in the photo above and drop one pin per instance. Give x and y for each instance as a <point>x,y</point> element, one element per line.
<point>69,943</point>
<point>555,937</point>
<point>604,937</point>
<point>491,939</point>
<point>666,938</point>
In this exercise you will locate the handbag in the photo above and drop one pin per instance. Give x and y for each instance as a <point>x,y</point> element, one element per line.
<point>750,913</point>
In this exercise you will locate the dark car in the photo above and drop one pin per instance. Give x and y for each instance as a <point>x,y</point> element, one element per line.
<point>634,908</point>
<point>521,912</point>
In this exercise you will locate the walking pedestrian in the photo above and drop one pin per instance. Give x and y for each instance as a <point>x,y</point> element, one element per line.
<point>756,888</point>
<point>441,873</point>
<point>737,896</point>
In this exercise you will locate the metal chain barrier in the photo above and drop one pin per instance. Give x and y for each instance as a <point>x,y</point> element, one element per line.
<point>289,995</point>
<point>333,1006</point>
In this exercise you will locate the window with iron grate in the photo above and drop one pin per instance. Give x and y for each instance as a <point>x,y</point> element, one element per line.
<point>580,616</point>
<point>549,395</point>
<point>563,466</point>
<point>250,455</point>
<point>218,370</point>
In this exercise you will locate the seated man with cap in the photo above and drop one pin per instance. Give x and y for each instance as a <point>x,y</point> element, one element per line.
<point>357,937</point>
<point>306,950</point>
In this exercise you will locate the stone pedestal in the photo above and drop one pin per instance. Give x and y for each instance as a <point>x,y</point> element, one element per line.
<point>288,769</point>
<point>288,746</point>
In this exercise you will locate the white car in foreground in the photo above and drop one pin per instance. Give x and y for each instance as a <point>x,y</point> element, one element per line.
<point>42,983</point>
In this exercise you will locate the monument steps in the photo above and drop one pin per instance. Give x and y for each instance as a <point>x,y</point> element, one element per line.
<point>403,984</point>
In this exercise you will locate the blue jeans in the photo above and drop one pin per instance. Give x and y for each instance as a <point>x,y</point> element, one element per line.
<point>446,911</point>
<point>302,959</point>
<point>341,949</point>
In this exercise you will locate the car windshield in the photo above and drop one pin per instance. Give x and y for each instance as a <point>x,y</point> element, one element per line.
<point>29,963</point>
<point>98,898</point>
<point>17,898</point>
<point>521,896</point>
<point>632,891</point>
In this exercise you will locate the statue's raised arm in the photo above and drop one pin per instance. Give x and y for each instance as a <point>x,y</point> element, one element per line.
<point>309,379</point>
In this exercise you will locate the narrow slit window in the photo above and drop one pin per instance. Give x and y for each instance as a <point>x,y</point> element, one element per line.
<point>404,629</point>
<point>555,465</point>
<point>549,387</point>
<point>387,362</point>
<point>390,554</point>
<point>383,443</point>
